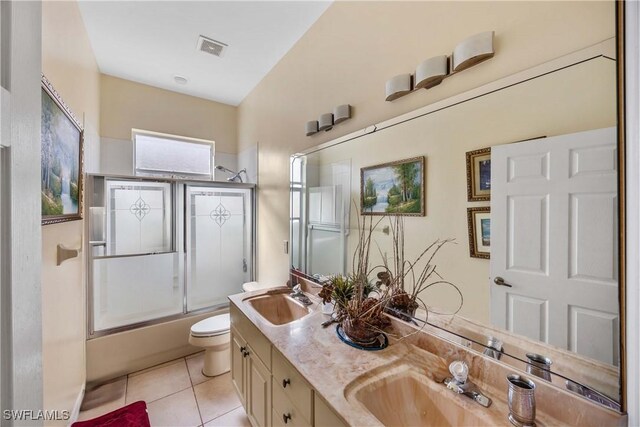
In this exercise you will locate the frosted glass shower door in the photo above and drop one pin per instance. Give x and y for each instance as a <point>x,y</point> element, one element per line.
<point>219,244</point>
<point>136,272</point>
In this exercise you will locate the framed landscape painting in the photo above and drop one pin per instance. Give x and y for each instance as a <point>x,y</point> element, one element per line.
<point>62,163</point>
<point>479,226</point>
<point>479,175</point>
<point>394,188</point>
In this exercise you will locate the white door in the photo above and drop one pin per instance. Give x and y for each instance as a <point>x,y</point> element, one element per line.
<point>554,227</point>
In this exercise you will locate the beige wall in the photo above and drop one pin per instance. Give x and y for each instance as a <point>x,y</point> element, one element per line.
<point>351,51</point>
<point>125,105</point>
<point>69,63</point>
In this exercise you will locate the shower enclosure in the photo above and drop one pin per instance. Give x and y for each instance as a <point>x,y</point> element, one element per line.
<point>164,248</point>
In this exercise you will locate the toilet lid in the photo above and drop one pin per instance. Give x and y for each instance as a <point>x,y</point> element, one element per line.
<point>212,325</point>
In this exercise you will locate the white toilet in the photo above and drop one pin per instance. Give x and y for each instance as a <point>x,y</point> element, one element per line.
<point>213,335</point>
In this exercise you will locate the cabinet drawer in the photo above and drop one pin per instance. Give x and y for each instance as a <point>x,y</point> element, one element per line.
<point>283,408</point>
<point>252,335</point>
<point>291,384</point>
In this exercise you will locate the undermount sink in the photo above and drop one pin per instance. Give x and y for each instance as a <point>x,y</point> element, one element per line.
<point>278,308</point>
<point>402,397</point>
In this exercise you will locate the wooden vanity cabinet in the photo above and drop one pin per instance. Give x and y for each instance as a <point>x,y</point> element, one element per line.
<point>292,395</point>
<point>250,368</point>
<point>323,416</point>
<point>238,348</point>
<point>272,391</point>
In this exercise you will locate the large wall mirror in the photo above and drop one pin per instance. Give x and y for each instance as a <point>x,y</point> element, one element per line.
<point>537,263</point>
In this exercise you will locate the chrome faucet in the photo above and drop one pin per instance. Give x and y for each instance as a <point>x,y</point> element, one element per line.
<point>459,384</point>
<point>300,296</point>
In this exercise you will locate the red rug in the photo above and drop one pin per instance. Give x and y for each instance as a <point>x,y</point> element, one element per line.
<point>133,415</point>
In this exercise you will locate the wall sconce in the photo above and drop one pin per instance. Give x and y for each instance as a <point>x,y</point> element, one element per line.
<point>472,51</point>
<point>431,72</point>
<point>341,113</point>
<point>311,127</point>
<point>398,86</point>
<point>327,121</point>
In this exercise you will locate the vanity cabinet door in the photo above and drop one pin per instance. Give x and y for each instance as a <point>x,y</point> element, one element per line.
<point>238,348</point>
<point>323,416</point>
<point>258,391</point>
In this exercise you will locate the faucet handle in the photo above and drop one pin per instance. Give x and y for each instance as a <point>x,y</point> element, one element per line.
<point>297,289</point>
<point>460,371</point>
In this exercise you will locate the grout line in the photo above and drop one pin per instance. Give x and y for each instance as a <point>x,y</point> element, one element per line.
<point>222,415</point>
<point>197,406</point>
<point>170,394</point>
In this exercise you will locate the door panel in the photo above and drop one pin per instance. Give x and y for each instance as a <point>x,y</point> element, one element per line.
<point>527,229</point>
<point>594,333</point>
<point>528,316</point>
<point>259,392</point>
<point>554,239</point>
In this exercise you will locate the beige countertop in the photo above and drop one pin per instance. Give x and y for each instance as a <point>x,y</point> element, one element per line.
<point>335,369</point>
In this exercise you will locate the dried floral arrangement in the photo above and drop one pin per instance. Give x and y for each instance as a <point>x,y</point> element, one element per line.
<point>407,279</point>
<point>360,305</point>
<point>360,315</point>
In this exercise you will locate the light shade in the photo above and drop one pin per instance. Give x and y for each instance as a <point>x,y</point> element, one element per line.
<point>341,113</point>
<point>311,127</point>
<point>431,72</point>
<point>325,122</point>
<point>397,86</point>
<point>473,50</point>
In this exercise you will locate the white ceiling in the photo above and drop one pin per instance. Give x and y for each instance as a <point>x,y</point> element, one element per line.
<point>151,41</point>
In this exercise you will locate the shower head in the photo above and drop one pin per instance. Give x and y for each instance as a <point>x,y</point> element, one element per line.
<point>234,175</point>
<point>222,168</point>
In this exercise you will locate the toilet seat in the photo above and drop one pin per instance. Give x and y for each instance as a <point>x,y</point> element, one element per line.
<point>212,326</point>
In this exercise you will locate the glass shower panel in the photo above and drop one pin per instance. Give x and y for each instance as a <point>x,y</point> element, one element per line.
<point>219,254</point>
<point>133,289</point>
<point>138,217</point>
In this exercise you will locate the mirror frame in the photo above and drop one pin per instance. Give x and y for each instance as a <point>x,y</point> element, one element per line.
<point>613,48</point>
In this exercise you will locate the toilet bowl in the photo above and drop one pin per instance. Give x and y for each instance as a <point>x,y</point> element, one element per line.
<point>213,335</point>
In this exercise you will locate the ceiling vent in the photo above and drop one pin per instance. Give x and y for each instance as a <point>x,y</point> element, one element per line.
<point>211,46</point>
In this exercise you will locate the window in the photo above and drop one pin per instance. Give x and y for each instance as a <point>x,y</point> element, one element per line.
<point>157,154</point>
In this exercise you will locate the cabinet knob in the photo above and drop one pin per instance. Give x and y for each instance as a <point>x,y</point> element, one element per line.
<point>286,382</point>
<point>245,353</point>
<point>242,349</point>
<point>286,418</point>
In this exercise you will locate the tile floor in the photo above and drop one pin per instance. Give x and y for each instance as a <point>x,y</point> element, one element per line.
<point>177,394</point>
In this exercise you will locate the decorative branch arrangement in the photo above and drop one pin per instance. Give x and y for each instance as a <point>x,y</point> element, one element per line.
<point>360,305</point>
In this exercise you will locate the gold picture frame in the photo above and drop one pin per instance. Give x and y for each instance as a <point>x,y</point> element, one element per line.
<point>62,166</point>
<point>479,227</point>
<point>405,200</point>
<point>479,175</point>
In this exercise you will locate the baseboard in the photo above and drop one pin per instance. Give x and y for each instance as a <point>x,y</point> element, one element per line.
<point>76,406</point>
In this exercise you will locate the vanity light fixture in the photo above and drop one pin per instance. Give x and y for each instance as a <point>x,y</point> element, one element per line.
<point>398,86</point>
<point>472,51</point>
<point>327,121</point>
<point>431,72</point>
<point>341,113</point>
<point>311,127</point>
